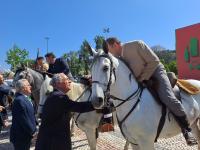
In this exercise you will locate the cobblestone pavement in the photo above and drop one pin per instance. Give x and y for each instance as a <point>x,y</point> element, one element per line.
<point>106,141</point>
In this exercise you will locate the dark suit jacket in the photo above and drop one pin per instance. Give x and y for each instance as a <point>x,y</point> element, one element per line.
<point>54,132</point>
<point>60,66</point>
<point>3,92</point>
<point>23,120</point>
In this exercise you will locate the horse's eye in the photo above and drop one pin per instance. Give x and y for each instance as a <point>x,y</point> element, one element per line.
<point>105,68</point>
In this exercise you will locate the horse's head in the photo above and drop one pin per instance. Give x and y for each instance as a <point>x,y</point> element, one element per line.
<point>22,73</point>
<point>103,75</point>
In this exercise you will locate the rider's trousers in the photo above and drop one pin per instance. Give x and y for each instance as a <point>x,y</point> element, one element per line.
<point>166,93</point>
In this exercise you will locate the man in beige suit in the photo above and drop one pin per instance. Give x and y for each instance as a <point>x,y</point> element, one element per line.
<point>145,65</point>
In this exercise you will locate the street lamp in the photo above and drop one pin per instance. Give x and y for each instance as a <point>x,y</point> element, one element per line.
<point>47,39</point>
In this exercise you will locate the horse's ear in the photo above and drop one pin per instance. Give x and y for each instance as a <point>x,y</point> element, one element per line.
<point>90,49</point>
<point>23,66</point>
<point>105,46</point>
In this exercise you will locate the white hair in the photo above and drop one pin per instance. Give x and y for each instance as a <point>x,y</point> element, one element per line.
<point>57,78</point>
<point>20,84</point>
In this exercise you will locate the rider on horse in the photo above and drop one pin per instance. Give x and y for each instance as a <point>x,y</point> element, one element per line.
<point>146,65</point>
<point>58,65</point>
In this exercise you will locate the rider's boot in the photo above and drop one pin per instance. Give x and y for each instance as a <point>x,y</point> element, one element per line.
<point>186,130</point>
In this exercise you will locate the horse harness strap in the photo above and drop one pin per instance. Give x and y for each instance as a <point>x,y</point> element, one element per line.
<point>164,111</point>
<point>88,88</point>
<point>161,122</point>
<point>139,91</point>
<point>127,99</point>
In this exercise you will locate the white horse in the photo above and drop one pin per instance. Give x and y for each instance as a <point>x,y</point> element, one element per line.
<point>137,111</point>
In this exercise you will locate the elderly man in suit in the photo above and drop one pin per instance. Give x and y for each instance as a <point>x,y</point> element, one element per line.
<point>145,65</point>
<point>54,132</point>
<point>23,126</point>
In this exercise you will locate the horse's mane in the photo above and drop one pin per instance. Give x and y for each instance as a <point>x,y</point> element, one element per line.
<point>18,70</point>
<point>123,61</point>
<point>27,68</point>
<point>126,64</point>
<point>38,72</point>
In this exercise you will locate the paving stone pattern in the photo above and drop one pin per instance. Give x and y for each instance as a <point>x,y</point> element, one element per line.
<point>106,141</point>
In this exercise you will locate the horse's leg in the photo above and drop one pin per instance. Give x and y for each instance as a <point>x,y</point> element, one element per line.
<point>91,137</point>
<point>72,126</point>
<point>144,144</point>
<point>126,145</point>
<point>196,131</point>
<point>134,147</point>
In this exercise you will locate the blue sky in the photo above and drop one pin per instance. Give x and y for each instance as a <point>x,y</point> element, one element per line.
<point>67,23</point>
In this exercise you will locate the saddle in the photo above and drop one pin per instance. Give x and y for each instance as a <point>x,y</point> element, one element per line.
<point>182,84</point>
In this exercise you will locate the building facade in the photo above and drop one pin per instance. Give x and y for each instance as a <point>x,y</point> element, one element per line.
<point>188,52</point>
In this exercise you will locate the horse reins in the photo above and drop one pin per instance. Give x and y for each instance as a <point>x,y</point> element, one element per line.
<point>79,114</point>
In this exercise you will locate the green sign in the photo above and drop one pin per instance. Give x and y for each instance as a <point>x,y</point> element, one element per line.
<point>192,51</point>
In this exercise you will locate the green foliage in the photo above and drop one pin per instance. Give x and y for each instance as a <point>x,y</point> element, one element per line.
<point>73,61</point>
<point>170,67</point>
<point>84,58</point>
<point>166,55</point>
<point>99,41</point>
<point>80,61</point>
<point>168,59</point>
<point>16,57</point>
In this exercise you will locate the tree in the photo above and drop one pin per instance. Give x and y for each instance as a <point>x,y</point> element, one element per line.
<point>158,48</point>
<point>172,67</point>
<point>16,57</point>
<point>99,41</point>
<point>84,57</point>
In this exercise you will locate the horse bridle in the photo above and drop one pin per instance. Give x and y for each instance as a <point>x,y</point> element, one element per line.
<point>112,70</point>
<point>79,114</point>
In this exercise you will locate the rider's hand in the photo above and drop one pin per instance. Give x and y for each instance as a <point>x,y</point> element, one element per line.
<point>5,123</point>
<point>1,108</point>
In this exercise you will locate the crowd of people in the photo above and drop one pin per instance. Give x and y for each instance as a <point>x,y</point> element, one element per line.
<point>54,131</point>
